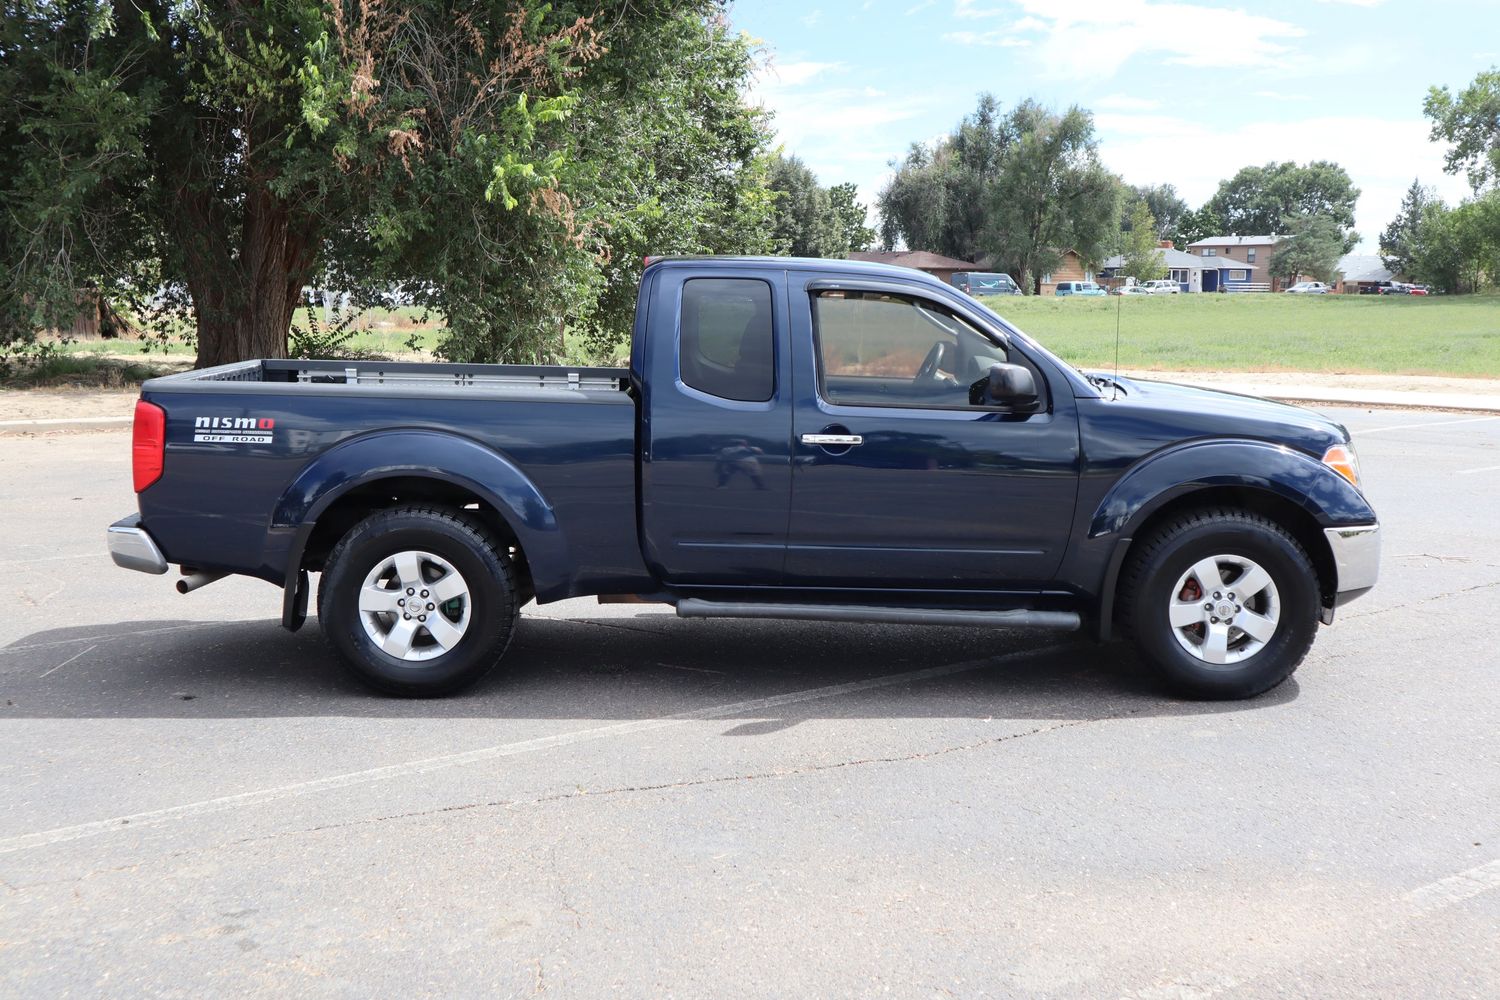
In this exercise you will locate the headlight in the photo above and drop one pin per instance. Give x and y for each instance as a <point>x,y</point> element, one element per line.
<point>1341,459</point>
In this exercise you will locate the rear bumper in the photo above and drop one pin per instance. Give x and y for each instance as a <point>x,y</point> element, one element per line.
<point>132,548</point>
<point>1356,559</point>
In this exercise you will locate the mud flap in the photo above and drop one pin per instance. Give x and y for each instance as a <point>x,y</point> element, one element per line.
<point>294,603</point>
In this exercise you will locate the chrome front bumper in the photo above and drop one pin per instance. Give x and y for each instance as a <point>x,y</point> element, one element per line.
<point>1356,558</point>
<point>131,548</point>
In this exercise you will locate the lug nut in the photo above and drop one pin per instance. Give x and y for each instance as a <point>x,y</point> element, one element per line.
<point>421,618</point>
<point>429,607</point>
<point>424,594</point>
<point>412,590</point>
<point>401,602</point>
<point>1217,595</point>
<point>1209,606</point>
<point>1213,621</point>
<point>1237,608</point>
<point>1230,595</point>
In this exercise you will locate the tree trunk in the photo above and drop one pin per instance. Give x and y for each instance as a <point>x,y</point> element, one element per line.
<point>244,301</point>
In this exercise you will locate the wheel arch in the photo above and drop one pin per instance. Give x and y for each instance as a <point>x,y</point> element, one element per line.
<point>357,478</point>
<point>1295,519</point>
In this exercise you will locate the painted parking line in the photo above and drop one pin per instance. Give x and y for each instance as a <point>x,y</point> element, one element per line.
<point>190,810</point>
<point>1423,426</point>
<point>1420,902</point>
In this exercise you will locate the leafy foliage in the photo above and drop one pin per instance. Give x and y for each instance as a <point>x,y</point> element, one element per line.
<point>1143,259</point>
<point>814,221</point>
<point>1398,241</point>
<point>1265,200</point>
<point>1312,250</point>
<point>1470,123</point>
<point>1012,190</point>
<point>502,163</point>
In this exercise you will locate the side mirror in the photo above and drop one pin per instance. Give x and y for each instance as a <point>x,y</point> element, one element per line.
<point>1006,385</point>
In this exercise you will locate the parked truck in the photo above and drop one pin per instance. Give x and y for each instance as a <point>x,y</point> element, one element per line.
<point>793,439</point>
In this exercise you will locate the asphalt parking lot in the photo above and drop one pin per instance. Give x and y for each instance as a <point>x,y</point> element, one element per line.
<point>197,803</point>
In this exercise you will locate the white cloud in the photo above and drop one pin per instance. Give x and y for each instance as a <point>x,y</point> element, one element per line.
<point>1381,156</point>
<point>794,74</point>
<point>1095,38</point>
<point>918,8</point>
<point>1125,102</point>
<point>843,132</point>
<point>811,20</point>
<point>993,39</point>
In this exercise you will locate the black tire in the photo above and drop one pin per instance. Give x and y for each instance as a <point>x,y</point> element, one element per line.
<point>1148,586</point>
<point>488,609</point>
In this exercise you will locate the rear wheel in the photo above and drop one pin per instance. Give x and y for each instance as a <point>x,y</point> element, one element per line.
<point>418,601</point>
<point>1224,603</point>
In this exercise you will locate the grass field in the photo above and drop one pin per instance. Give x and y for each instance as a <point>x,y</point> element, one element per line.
<point>1439,335</point>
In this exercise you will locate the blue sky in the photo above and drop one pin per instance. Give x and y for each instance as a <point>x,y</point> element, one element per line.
<point>1182,93</point>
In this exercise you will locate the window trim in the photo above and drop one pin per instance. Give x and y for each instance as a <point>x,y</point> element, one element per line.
<point>816,289</point>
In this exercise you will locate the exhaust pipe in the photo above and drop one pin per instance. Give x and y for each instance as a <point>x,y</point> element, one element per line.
<point>193,581</point>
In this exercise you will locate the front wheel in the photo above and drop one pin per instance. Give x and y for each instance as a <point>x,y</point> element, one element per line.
<point>1224,603</point>
<point>418,601</point>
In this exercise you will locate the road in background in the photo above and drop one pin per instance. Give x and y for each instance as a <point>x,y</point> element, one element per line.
<point>199,803</point>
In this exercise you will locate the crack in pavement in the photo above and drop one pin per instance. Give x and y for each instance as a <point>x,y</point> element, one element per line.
<point>582,793</point>
<point>1424,600</point>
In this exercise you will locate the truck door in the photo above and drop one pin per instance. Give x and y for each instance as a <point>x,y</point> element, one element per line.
<point>716,426</point>
<point>899,482</point>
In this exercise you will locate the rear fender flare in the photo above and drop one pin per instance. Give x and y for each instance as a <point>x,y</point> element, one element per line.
<point>447,458</point>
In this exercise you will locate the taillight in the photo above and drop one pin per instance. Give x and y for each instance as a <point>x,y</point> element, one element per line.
<point>147,443</point>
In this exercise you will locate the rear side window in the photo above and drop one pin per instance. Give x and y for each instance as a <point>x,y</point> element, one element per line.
<point>725,344</point>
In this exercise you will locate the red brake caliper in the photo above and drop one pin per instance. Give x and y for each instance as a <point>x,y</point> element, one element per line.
<point>1192,592</point>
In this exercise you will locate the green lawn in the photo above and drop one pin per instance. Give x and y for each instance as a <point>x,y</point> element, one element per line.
<point>1437,335</point>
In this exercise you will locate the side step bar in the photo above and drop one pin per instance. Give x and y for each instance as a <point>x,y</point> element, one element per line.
<point>1067,621</point>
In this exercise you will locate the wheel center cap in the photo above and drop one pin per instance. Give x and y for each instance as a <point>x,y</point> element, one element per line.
<point>1225,611</point>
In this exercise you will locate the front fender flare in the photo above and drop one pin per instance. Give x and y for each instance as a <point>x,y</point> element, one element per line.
<point>1277,469</point>
<point>436,455</point>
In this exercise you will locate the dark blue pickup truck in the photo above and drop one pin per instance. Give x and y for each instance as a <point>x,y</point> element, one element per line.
<point>800,439</point>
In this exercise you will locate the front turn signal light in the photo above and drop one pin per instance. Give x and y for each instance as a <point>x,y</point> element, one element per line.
<point>1341,459</point>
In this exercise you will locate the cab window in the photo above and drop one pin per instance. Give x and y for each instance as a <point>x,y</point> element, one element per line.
<point>725,347</point>
<point>880,349</point>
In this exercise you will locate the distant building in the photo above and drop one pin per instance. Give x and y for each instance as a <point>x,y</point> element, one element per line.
<point>1194,272</point>
<point>1363,273</point>
<point>1253,250</point>
<point>1069,269</point>
<point>935,264</point>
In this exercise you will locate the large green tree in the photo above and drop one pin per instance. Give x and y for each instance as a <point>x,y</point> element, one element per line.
<point>1161,200</point>
<point>1016,189</point>
<point>1143,258</point>
<point>1052,194</point>
<point>492,161</point>
<point>805,224</point>
<point>1264,200</point>
<point>1312,249</point>
<point>1398,240</point>
<point>1469,122</point>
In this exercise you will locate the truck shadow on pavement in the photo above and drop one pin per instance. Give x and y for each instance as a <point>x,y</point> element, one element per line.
<point>642,667</point>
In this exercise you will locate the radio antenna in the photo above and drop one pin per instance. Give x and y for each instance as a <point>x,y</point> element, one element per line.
<point>1116,382</point>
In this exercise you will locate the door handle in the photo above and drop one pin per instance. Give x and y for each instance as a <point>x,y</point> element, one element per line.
<point>836,440</point>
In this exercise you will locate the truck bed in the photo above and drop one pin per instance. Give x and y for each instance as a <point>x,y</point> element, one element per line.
<point>243,441</point>
<point>427,376</point>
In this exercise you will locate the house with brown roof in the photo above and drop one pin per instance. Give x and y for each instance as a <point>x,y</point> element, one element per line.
<point>935,264</point>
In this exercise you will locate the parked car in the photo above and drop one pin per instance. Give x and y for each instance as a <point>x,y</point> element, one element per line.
<point>1394,288</point>
<point>1164,286</point>
<point>978,283</point>
<point>1309,288</point>
<point>1132,290</point>
<point>934,465</point>
<point>1418,290</point>
<point>1078,288</point>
